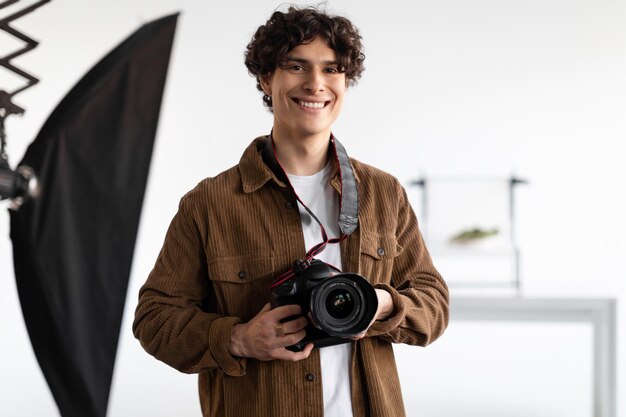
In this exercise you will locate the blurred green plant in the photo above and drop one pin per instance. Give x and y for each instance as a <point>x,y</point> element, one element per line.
<point>472,235</point>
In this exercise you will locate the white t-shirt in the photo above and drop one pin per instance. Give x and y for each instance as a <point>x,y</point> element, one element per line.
<point>322,199</point>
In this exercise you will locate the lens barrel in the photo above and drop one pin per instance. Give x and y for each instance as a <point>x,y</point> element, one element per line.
<point>343,305</point>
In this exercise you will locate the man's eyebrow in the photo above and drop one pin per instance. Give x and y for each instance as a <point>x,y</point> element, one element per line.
<point>306,61</point>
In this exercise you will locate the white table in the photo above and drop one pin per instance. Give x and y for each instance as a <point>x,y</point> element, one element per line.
<point>600,313</point>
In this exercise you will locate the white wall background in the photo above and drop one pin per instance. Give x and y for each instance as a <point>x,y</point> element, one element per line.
<point>451,87</point>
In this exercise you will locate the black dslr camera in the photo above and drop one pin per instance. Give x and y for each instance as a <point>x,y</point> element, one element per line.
<point>338,305</point>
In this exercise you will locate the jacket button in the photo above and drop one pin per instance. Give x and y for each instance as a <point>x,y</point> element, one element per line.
<point>242,274</point>
<point>289,205</point>
<point>310,377</point>
<point>380,251</point>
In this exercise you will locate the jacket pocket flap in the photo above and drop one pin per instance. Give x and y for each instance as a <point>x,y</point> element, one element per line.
<point>380,247</point>
<point>241,269</point>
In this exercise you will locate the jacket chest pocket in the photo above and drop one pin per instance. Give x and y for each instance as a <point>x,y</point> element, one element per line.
<point>377,256</point>
<point>241,284</point>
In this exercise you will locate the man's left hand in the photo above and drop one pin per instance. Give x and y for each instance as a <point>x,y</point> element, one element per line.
<point>385,308</point>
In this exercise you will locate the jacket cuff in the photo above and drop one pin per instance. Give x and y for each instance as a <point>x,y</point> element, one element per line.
<point>219,339</point>
<point>380,327</point>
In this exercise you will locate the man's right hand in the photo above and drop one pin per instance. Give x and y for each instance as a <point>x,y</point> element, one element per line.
<point>261,337</point>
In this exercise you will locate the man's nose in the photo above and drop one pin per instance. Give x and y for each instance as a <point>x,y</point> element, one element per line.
<point>314,82</point>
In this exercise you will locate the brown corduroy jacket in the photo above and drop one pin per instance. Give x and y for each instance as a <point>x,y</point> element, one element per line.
<point>232,235</point>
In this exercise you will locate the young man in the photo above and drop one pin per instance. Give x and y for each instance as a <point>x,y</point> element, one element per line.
<point>204,308</point>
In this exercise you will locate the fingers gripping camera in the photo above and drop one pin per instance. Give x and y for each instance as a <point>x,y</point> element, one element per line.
<point>339,305</point>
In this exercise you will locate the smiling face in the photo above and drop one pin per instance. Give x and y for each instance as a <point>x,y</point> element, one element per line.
<point>307,92</point>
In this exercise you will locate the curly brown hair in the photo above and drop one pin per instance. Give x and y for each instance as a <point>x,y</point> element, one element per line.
<point>284,31</point>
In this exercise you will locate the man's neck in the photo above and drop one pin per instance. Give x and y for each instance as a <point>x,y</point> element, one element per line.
<point>303,156</point>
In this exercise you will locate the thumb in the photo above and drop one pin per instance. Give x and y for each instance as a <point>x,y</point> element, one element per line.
<point>265,309</point>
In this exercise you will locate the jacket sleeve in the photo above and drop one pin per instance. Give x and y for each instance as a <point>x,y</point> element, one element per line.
<point>171,319</point>
<point>419,293</point>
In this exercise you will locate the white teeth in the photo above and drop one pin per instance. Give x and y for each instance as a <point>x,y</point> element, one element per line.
<point>312,105</point>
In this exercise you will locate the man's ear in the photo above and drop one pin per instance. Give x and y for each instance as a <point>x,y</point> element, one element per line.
<point>265,84</point>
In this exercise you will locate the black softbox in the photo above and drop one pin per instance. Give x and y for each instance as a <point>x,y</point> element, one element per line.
<point>73,245</point>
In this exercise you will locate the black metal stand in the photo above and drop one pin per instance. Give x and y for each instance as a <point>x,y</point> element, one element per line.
<point>12,183</point>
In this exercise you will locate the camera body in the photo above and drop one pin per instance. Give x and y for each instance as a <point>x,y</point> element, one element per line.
<point>338,305</point>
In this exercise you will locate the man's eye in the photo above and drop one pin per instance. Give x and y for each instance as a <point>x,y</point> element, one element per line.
<point>332,70</point>
<point>296,68</point>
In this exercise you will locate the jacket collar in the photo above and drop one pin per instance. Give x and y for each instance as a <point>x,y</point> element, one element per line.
<point>255,172</point>
<point>258,165</point>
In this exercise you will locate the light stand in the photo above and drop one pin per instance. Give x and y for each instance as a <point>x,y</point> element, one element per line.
<point>20,183</point>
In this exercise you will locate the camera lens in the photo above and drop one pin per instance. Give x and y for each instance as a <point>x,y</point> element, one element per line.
<point>343,305</point>
<point>336,305</point>
<point>339,303</point>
